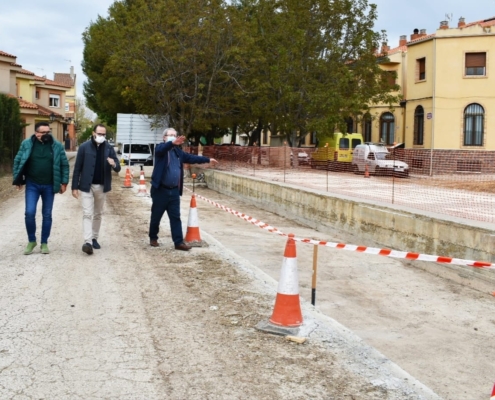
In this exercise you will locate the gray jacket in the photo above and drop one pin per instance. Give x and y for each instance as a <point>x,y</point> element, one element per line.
<point>84,168</point>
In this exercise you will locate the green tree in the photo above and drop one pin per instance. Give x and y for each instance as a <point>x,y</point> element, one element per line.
<point>103,88</point>
<point>288,66</point>
<point>11,127</point>
<point>318,65</point>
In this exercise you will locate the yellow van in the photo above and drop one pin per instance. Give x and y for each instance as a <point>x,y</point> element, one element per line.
<point>335,152</point>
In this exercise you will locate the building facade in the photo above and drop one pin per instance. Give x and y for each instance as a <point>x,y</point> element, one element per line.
<point>446,86</point>
<point>40,99</point>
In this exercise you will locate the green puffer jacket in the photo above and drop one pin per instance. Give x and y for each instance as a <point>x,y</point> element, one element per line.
<point>60,163</point>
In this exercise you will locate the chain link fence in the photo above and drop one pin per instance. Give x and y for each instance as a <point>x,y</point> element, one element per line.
<point>457,183</point>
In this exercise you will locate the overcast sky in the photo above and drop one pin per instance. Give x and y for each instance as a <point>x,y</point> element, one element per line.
<point>46,35</point>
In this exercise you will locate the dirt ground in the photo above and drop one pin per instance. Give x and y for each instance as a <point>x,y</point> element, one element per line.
<point>135,322</point>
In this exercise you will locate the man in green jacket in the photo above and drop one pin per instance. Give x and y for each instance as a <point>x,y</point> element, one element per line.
<point>41,164</point>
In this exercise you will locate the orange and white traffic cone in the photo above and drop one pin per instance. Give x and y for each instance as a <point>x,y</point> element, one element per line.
<point>287,310</point>
<point>142,185</point>
<point>366,171</point>
<point>286,317</point>
<point>127,180</point>
<point>193,237</point>
<point>493,393</point>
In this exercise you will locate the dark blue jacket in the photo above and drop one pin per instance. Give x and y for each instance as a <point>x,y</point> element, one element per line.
<point>162,160</point>
<point>84,168</point>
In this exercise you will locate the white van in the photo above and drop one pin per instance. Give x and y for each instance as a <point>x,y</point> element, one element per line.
<point>375,157</point>
<point>135,153</point>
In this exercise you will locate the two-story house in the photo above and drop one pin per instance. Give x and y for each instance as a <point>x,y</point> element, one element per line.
<point>40,99</point>
<point>69,79</point>
<point>446,86</point>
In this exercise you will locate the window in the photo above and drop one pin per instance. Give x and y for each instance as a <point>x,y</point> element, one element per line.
<point>390,78</point>
<point>387,128</point>
<point>37,94</point>
<point>312,138</point>
<point>66,107</point>
<point>350,125</point>
<point>419,125</point>
<point>54,100</point>
<point>475,64</point>
<point>265,136</point>
<point>343,143</point>
<point>367,127</point>
<point>474,116</point>
<point>421,69</point>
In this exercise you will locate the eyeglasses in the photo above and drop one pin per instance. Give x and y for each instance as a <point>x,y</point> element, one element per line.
<point>44,132</point>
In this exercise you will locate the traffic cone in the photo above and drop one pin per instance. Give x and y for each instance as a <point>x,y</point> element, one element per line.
<point>366,171</point>
<point>193,237</point>
<point>287,310</point>
<point>493,393</point>
<point>142,185</point>
<point>127,180</point>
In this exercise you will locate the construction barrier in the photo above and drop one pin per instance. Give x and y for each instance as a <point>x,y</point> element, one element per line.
<point>287,309</point>
<point>361,249</point>
<point>127,179</point>
<point>142,184</point>
<point>287,316</point>
<point>193,236</point>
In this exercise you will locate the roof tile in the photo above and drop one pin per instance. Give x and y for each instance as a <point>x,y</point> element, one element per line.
<point>63,78</point>
<point>3,53</point>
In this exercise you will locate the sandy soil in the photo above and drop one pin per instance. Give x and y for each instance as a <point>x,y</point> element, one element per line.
<point>135,322</point>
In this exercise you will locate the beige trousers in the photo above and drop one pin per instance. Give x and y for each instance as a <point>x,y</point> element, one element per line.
<point>92,205</point>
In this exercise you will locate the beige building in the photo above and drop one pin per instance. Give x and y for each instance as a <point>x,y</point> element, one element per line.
<point>70,102</point>
<point>447,90</point>
<point>40,99</point>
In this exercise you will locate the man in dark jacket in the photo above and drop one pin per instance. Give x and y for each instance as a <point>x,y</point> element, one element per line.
<point>41,164</point>
<point>166,186</point>
<point>92,176</point>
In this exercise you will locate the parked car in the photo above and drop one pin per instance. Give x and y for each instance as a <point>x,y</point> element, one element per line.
<point>136,153</point>
<point>375,157</point>
<point>302,158</point>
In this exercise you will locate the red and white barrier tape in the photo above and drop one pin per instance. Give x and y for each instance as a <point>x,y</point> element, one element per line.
<point>360,249</point>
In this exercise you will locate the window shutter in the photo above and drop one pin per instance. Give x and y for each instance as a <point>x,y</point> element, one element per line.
<point>422,65</point>
<point>391,78</point>
<point>475,60</point>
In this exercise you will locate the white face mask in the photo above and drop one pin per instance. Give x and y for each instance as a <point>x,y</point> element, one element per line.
<point>99,139</point>
<point>170,138</point>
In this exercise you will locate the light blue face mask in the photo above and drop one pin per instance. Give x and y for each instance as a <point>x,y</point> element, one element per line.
<point>170,138</point>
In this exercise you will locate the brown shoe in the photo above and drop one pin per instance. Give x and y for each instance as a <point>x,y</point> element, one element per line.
<point>183,247</point>
<point>154,243</point>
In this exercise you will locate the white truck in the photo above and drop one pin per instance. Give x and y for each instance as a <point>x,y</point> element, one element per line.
<point>137,136</point>
<point>374,157</point>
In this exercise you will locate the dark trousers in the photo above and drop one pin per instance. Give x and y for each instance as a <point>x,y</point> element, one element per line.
<point>166,200</point>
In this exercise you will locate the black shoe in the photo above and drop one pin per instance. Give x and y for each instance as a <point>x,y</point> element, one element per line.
<point>87,248</point>
<point>96,245</point>
<point>183,247</point>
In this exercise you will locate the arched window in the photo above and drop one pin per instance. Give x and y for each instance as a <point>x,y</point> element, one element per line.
<point>367,127</point>
<point>474,118</point>
<point>419,125</point>
<point>350,125</point>
<point>387,128</point>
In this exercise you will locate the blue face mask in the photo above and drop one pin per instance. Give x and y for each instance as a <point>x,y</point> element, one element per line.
<point>170,138</point>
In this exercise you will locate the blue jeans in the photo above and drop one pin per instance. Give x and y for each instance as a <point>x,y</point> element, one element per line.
<point>33,193</point>
<point>166,200</point>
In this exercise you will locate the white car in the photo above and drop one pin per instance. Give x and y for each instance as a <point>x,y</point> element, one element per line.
<point>375,158</point>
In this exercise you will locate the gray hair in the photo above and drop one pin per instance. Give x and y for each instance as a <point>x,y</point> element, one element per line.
<point>165,132</point>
